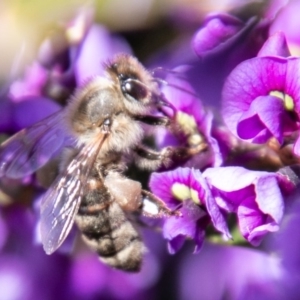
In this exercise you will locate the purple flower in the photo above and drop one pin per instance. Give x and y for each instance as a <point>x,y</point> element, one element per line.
<point>222,43</point>
<point>96,49</point>
<point>269,273</point>
<point>254,196</point>
<point>32,84</point>
<point>261,95</point>
<point>287,21</point>
<point>194,123</point>
<point>219,32</point>
<point>187,189</point>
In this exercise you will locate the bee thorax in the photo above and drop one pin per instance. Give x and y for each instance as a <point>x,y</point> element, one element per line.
<point>125,133</point>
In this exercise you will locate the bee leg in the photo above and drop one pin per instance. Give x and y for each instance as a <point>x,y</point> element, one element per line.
<point>126,192</point>
<point>150,159</point>
<point>154,121</point>
<point>147,158</point>
<point>154,207</point>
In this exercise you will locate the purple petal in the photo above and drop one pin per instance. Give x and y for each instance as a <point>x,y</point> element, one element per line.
<point>292,84</point>
<point>254,196</point>
<point>265,112</point>
<point>258,77</point>
<point>97,48</point>
<point>31,85</point>
<point>296,148</point>
<point>230,179</point>
<point>268,196</point>
<point>216,156</point>
<point>253,223</point>
<point>275,45</point>
<point>217,30</point>
<point>161,184</point>
<point>198,183</point>
<point>31,110</point>
<point>175,229</point>
<point>255,237</point>
<point>175,243</point>
<point>222,33</point>
<point>288,21</point>
<point>181,94</point>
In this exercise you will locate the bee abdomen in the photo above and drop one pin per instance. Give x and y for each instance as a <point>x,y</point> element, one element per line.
<point>113,237</point>
<point>129,258</point>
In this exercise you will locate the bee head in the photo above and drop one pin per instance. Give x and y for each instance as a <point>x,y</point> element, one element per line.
<point>137,86</point>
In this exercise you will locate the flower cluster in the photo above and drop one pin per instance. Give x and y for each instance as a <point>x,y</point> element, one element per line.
<point>260,113</point>
<point>232,100</point>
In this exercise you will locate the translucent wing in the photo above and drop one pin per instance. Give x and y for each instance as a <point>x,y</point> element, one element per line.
<point>31,148</point>
<point>61,202</point>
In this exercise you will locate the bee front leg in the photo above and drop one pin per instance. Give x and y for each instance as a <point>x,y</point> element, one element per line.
<point>154,120</point>
<point>150,159</point>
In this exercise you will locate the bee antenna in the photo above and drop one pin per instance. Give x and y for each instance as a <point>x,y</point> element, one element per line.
<point>166,83</point>
<point>166,71</point>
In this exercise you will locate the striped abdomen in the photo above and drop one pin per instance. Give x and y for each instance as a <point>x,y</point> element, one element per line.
<point>107,230</point>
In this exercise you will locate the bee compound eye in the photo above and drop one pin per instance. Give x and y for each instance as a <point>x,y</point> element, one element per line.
<point>134,89</point>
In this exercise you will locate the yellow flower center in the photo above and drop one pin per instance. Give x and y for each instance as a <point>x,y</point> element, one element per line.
<point>187,122</point>
<point>287,99</point>
<point>182,192</point>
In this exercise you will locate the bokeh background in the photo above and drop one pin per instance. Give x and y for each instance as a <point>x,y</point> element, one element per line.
<point>153,29</point>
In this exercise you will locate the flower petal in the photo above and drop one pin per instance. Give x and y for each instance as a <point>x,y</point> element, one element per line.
<point>265,112</point>
<point>161,184</point>
<point>31,110</point>
<point>254,196</point>
<point>249,80</point>
<point>198,183</point>
<point>275,45</point>
<point>90,60</point>
<point>176,229</point>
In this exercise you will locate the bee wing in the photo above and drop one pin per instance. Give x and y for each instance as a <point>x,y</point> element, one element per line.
<point>61,202</point>
<point>31,148</point>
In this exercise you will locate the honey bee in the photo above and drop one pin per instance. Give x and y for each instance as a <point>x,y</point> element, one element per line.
<point>95,137</point>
